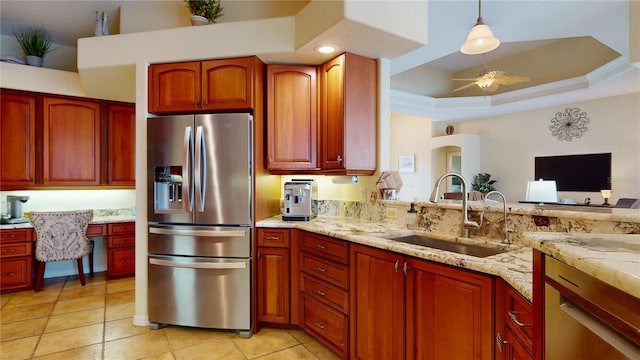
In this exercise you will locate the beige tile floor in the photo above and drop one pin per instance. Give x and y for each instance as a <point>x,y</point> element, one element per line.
<point>69,321</point>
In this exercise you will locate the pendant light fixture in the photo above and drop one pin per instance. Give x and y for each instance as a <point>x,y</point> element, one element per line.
<point>480,39</point>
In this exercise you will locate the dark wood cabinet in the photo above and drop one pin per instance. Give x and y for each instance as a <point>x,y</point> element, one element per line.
<point>292,117</point>
<point>121,130</point>
<point>121,250</point>
<point>17,141</point>
<point>16,259</point>
<point>377,304</point>
<point>447,313</point>
<point>348,115</point>
<point>71,142</point>
<point>187,87</point>
<point>273,269</point>
<point>513,323</point>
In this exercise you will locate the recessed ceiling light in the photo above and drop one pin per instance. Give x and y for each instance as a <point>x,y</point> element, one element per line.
<point>325,49</point>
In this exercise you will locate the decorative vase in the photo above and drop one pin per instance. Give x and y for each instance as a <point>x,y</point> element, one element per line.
<point>197,20</point>
<point>34,60</point>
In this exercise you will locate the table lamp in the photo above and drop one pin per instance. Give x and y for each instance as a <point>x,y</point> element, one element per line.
<point>606,194</point>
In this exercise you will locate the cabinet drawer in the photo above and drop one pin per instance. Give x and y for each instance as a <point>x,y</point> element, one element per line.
<point>519,317</point>
<point>96,230</point>
<point>334,273</point>
<point>15,274</point>
<point>328,248</point>
<point>326,293</point>
<point>13,250</point>
<point>329,326</point>
<point>121,262</point>
<point>273,237</point>
<point>15,235</point>
<point>121,241</point>
<point>122,228</point>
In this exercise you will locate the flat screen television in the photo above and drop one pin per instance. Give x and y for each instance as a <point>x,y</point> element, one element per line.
<point>586,172</point>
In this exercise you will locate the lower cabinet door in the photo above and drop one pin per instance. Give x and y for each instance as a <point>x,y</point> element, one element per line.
<point>514,350</point>
<point>121,262</point>
<point>273,285</point>
<point>15,274</point>
<point>327,324</point>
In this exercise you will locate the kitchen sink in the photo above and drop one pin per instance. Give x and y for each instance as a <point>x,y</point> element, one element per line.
<point>459,248</point>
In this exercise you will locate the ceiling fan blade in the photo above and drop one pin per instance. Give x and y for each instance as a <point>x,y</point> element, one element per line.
<point>464,86</point>
<point>472,79</point>
<point>511,79</point>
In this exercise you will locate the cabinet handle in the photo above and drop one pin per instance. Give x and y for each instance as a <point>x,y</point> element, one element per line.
<point>500,342</point>
<point>396,266</point>
<point>258,253</point>
<point>273,238</point>
<point>512,316</point>
<point>319,324</point>
<point>320,269</point>
<point>339,159</point>
<point>6,251</point>
<point>8,236</point>
<point>405,268</point>
<point>9,274</point>
<point>321,247</point>
<point>321,293</point>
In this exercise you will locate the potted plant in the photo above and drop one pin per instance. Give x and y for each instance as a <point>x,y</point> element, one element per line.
<point>483,183</point>
<point>204,11</point>
<point>35,42</point>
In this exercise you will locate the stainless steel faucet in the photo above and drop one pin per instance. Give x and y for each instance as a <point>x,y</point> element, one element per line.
<point>505,229</point>
<point>466,224</point>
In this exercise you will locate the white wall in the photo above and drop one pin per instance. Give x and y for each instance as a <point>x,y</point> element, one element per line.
<point>410,136</point>
<point>60,57</point>
<point>510,143</point>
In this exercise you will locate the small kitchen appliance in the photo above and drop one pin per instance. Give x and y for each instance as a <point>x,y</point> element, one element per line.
<point>16,214</point>
<point>298,200</point>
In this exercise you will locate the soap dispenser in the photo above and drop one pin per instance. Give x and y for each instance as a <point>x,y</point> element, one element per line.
<point>412,217</point>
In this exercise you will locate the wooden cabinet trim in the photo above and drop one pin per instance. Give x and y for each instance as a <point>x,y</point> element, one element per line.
<point>273,238</point>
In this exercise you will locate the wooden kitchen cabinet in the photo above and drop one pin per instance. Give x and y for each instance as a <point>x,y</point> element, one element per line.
<point>213,85</point>
<point>377,304</point>
<point>292,117</point>
<point>71,142</point>
<point>17,140</point>
<point>324,289</point>
<point>16,259</point>
<point>448,312</point>
<point>514,324</point>
<point>121,130</point>
<point>348,115</point>
<point>273,276</point>
<point>121,249</point>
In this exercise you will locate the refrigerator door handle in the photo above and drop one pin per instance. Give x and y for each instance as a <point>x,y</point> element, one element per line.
<point>187,184</point>
<point>203,265</point>
<point>189,232</point>
<point>201,169</point>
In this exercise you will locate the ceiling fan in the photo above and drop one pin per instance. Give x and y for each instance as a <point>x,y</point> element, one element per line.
<point>490,80</point>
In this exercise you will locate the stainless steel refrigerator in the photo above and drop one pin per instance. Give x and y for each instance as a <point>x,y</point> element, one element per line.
<point>200,200</point>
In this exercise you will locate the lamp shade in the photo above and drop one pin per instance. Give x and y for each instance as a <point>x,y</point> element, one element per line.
<point>479,41</point>
<point>542,191</point>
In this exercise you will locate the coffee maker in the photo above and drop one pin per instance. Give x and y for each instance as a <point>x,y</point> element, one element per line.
<point>16,214</point>
<point>299,195</point>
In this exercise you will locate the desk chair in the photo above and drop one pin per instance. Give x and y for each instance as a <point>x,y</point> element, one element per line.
<point>62,235</point>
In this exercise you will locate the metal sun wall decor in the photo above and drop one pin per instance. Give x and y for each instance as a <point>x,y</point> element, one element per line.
<point>569,124</point>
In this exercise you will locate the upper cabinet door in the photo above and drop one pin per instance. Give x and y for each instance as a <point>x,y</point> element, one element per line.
<point>174,88</point>
<point>291,117</point>
<point>17,141</point>
<point>227,84</point>
<point>348,119</point>
<point>121,145</point>
<point>71,142</point>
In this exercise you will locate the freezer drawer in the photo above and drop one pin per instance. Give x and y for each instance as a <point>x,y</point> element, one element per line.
<point>200,292</point>
<point>204,241</point>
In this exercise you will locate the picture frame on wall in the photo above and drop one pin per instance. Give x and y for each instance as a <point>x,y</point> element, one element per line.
<point>406,164</point>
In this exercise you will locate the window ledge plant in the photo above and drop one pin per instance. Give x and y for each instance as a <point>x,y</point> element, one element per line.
<point>34,42</point>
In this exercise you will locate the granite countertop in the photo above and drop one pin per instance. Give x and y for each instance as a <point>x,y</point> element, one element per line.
<point>97,219</point>
<point>514,266</point>
<point>614,259</point>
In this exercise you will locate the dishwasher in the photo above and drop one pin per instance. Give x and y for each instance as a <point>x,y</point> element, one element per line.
<point>586,318</point>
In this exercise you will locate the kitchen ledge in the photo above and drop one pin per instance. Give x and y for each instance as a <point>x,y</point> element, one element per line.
<point>614,259</point>
<point>99,217</point>
<point>515,267</point>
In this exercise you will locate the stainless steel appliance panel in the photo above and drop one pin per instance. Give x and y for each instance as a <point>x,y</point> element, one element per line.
<point>200,292</point>
<point>204,241</point>
<point>223,175</point>
<point>170,156</point>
